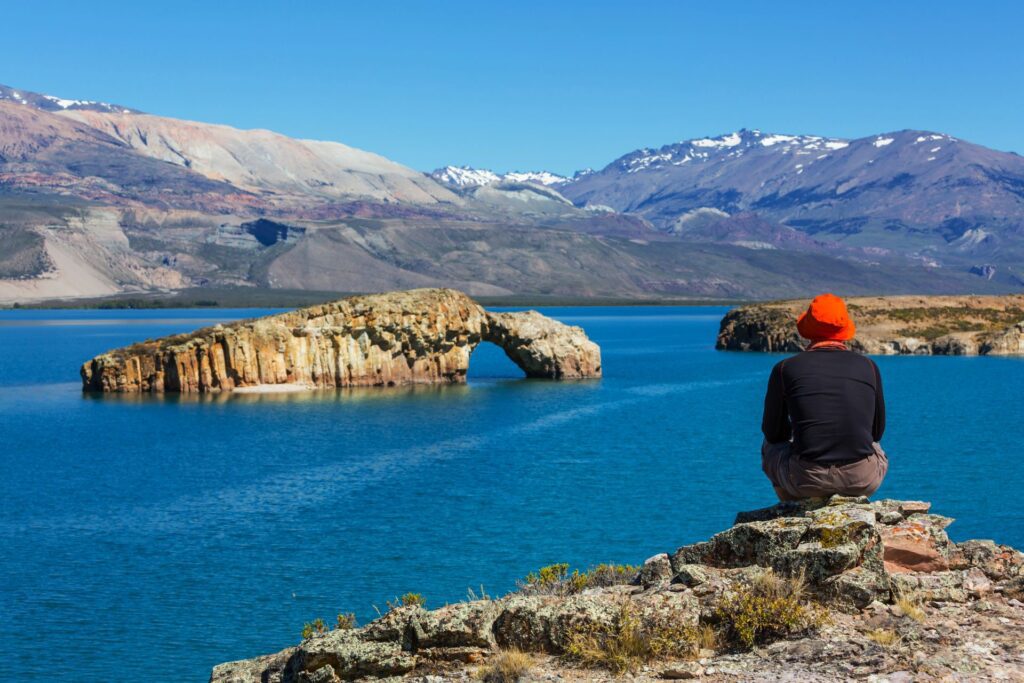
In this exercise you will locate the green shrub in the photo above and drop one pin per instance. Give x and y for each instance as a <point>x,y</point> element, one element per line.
<point>345,622</point>
<point>551,575</point>
<point>406,600</point>
<point>317,626</point>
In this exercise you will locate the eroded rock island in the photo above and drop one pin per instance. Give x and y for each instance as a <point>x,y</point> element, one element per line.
<point>823,590</point>
<point>419,336</point>
<point>889,325</point>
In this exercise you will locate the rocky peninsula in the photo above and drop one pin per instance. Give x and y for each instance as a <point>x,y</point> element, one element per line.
<point>921,325</point>
<point>423,336</point>
<point>822,590</point>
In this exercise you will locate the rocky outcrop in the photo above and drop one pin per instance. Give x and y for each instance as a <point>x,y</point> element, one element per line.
<point>413,337</point>
<point>901,325</point>
<point>893,592</point>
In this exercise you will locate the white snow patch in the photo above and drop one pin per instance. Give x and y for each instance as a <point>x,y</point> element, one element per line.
<point>882,142</point>
<point>836,144</point>
<point>542,177</point>
<point>933,150</point>
<point>730,140</point>
<point>770,140</point>
<point>754,244</point>
<point>64,104</point>
<point>465,176</point>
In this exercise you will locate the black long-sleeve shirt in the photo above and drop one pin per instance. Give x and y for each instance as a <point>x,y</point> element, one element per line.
<point>829,401</point>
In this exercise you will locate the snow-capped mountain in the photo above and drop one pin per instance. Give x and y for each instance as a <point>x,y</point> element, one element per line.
<point>99,198</point>
<point>53,103</point>
<point>729,146</point>
<point>466,177</point>
<point>908,191</point>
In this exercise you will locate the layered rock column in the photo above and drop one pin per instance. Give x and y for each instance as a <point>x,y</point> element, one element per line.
<point>416,337</point>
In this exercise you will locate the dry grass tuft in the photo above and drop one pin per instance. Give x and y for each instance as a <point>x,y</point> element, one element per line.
<point>508,666</point>
<point>912,606</point>
<point>772,606</point>
<point>708,638</point>
<point>885,637</point>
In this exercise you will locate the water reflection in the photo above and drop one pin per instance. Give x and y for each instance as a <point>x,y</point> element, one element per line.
<point>354,395</point>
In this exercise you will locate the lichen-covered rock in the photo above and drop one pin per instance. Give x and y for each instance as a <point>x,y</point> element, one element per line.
<point>656,570</point>
<point>264,669</point>
<point>464,624</point>
<point>856,558</point>
<point>999,562</point>
<point>918,544</point>
<point>416,337</point>
<point>749,543</point>
<point>349,656</point>
<point>545,623</point>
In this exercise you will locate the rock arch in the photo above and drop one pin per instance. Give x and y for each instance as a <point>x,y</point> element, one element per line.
<point>422,336</point>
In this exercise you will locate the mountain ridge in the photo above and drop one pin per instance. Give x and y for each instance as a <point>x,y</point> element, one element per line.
<point>98,199</point>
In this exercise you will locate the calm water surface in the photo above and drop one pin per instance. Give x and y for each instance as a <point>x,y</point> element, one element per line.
<point>148,537</point>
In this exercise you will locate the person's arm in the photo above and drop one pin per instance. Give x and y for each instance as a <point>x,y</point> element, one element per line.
<point>775,423</point>
<point>878,428</point>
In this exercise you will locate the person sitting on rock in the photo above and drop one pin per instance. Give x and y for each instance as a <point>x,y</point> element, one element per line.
<point>824,412</point>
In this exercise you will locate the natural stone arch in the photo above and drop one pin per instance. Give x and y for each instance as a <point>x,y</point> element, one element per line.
<point>543,347</point>
<point>420,336</point>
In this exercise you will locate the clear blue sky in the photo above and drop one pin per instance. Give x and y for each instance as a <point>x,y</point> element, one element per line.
<point>523,85</point>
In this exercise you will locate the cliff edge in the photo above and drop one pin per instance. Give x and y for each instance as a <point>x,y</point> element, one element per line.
<point>920,325</point>
<point>419,336</point>
<point>822,590</point>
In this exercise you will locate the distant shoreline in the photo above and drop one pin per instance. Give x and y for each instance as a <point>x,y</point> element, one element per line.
<point>244,297</point>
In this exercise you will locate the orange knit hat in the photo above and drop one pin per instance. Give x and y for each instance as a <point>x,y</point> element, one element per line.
<point>826,319</point>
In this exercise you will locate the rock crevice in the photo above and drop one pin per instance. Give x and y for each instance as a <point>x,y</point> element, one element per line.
<point>414,337</point>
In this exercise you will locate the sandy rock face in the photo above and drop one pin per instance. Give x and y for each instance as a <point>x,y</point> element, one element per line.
<point>415,337</point>
<point>543,347</point>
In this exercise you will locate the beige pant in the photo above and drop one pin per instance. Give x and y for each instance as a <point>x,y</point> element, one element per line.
<point>794,478</point>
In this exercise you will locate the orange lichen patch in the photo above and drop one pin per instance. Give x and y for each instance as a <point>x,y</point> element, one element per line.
<point>910,547</point>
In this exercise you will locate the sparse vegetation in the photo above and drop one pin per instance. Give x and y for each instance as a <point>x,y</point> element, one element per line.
<point>472,595</point>
<point>771,606</point>
<point>556,579</point>
<point>911,606</point>
<point>932,322</point>
<point>633,640</point>
<point>344,622</point>
<point>707,637</point>
<point>312,628</point>
<point>884,636</point>
<point>508,666</point>
<point>406,600</point>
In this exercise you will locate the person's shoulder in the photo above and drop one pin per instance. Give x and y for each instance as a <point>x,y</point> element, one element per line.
<point>864,361</point>
<point>789,361</point>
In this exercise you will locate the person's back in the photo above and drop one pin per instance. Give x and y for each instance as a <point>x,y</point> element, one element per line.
<point>824,413</point>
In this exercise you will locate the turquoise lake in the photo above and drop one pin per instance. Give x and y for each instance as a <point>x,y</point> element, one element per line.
<point>153,537</point>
